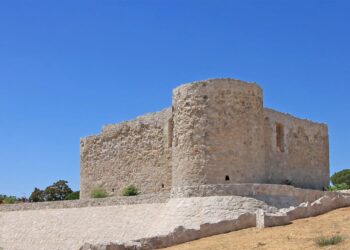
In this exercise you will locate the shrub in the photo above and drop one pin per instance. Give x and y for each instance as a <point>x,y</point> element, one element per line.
<point>73,196</point>
<point>130,190</point>
<point>327,241</point>
<point>337,187</point>
<point>341,177</point>
<point>9,200</point>
<point>98,192</point>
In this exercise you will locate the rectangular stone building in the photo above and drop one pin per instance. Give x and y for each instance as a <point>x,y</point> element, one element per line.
<point>216,132</point>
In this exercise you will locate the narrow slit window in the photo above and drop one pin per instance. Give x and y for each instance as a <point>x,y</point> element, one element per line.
<point>170,132</point>
<point>279,138</point>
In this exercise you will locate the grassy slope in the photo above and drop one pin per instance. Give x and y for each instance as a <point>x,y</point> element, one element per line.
<point>298,235</point>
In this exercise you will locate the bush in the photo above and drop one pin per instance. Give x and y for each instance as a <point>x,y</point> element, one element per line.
<point>341,177</point>
<point>73,196</point>
<point>327,241</point>
<point>337,187</point>
<point>9,200</point>
<point>98,192</point>
<point>130,190</point>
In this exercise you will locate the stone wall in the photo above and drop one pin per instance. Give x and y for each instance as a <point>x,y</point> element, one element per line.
<point>134,152</point>
<point>218,133</point>
<point>301,156</point>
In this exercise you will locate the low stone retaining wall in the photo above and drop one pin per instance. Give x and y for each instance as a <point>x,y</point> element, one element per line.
<point>273,194</point>
<point>180,235</point>
<point>109,201</point>
<point>304,210</point>
<point>280,196</point>
<point>260,219</point>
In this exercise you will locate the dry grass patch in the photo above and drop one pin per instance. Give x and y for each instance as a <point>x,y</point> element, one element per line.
<point>305,234</point>
<point>328,241</point>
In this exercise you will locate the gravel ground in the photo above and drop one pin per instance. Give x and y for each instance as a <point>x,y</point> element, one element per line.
<point>72,227</point>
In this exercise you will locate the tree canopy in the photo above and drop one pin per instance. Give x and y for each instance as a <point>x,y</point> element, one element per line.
<point>341,177</point>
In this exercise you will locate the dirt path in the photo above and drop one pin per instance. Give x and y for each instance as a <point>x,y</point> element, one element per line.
<point>299,235</point>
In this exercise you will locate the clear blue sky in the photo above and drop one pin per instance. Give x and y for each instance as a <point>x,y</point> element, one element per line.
<point>68,67</point>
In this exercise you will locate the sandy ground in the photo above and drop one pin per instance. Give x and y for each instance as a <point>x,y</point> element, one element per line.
<point>298,235</point>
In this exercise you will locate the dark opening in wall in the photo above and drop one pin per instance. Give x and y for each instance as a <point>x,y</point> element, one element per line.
<point>113,190</point>
<point>162,185</point>
<point>170,132</point>
<point>227,178</point>
<point>279,137</point>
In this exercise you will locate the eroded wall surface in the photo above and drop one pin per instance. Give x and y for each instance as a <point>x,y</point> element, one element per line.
<point>218,133</point>
<point>301,157</point>
<point>135,152</point>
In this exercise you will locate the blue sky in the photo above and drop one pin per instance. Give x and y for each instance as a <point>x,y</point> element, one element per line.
<point>68,67</point>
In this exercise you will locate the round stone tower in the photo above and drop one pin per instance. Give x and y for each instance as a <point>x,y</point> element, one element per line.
<point>218,133</point>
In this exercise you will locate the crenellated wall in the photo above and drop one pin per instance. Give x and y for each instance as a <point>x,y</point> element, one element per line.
<point>217,132</point>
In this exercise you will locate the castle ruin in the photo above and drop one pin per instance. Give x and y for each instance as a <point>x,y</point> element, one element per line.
<point>216,132</point>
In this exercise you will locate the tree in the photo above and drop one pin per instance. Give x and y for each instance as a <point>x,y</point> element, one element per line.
<point>57,191</point>
<point>341,177</point>
<point>37,195</point>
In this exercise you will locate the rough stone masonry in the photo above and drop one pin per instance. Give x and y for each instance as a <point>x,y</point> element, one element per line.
<point>216,132</point>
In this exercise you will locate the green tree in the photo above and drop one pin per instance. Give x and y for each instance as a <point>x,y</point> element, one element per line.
<point>37,195</point>
<point>341,177</point>
<point>57,191</point>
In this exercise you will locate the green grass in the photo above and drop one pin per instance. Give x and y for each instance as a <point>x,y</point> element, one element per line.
<point>328,241</point>
<point>98,192</point>
<point>130,190</point>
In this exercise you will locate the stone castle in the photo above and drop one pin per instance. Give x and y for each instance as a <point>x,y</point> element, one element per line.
<point>216,132</point>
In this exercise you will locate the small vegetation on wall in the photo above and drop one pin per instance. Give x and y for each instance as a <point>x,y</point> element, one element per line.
<point>98,192</point>
<point>130,190</point>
